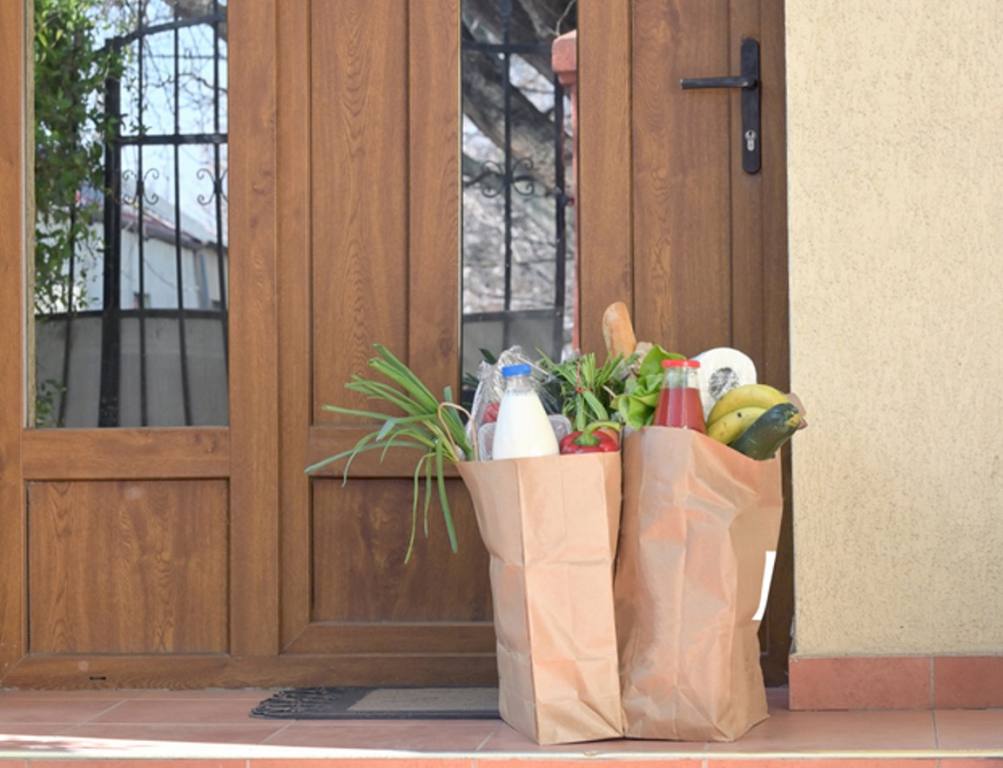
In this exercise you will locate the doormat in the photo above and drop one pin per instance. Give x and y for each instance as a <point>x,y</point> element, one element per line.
<point>380,704</point>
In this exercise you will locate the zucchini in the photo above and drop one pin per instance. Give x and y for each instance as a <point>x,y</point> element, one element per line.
<point>769,432</point>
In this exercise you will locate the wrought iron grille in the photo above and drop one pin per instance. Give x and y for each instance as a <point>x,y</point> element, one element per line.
<point>512,178</point>
<point>113,312</point>
<point>131,206</point>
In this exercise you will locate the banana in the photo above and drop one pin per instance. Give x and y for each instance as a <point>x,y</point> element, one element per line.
<point>747,396</point>
<point>732,425</point>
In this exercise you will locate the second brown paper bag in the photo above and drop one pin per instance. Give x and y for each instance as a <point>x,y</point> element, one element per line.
<point>550,525</point>
<point>697,545</point>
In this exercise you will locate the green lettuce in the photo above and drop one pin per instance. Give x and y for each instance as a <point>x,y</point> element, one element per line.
<point>639,400</point>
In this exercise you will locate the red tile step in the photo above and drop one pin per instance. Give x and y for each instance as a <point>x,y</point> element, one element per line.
<point>154,729</point>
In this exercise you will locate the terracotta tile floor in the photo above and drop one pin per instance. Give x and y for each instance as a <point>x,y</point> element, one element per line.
<point>212,727</point>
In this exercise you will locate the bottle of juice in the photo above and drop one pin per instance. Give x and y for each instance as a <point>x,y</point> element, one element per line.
<point>679,403</point>
<point>523,429</point>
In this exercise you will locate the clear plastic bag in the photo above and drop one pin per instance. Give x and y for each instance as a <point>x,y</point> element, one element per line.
<point>491,387</point>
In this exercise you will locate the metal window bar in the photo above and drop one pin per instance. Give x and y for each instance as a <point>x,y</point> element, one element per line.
<point>112,312</point>
<point>144,415</point>
<point>179,267</point>
<point>110,323</point>
<point>510,177</point>
<point>166,313</point>
<point>218,185</point>
<point>560,225</point>
<point>506,11</point>
<point>71,306</point>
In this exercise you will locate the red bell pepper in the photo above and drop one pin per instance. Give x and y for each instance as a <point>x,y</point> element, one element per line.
<point>599,437</point>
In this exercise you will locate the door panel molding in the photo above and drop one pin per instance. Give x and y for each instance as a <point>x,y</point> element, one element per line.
<point>324,440</point>
<point>221,671</point>
<point>778,622</point>
<point>128,566</point>
<point>681,169</point>
<point>294,122</point>
<point>358,187</point>
<point>126,454</point>
<point>378,637</point>
<point>254,358</point>
<point>604,187</point>
<point>434,192</point>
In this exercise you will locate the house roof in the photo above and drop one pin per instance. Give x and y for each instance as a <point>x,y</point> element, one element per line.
<point>160,221</point>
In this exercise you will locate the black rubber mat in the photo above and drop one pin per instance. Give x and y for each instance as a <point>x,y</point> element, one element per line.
<point>380,704</point>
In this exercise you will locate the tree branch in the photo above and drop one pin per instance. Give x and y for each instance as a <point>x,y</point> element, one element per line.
<point>531,21</point>
<point>193,9</point>
<point>484,103</point>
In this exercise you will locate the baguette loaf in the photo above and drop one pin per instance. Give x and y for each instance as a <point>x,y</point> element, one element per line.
<point>617,330</point>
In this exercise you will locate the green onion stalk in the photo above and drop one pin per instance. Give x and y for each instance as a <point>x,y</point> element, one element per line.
<point>423,423</point>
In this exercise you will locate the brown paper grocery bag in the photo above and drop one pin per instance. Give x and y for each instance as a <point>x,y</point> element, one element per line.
<point>550,525</point>
<point>698,541</point>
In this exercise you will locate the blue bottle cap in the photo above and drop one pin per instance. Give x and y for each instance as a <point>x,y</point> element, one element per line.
<point>520,369</point>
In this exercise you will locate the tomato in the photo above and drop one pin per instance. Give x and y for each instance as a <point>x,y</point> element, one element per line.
<point>490,414</point>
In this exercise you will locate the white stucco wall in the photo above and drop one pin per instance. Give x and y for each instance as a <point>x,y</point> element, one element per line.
<point>895,142</point>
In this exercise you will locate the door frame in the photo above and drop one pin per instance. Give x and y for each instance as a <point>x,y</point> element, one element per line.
<point>256,451</point>
<point>13,534</point>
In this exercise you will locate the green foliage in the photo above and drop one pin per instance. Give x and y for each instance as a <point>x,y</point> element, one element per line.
<point>71,68</point>
<point>587,389</point>
<point>45,402</point>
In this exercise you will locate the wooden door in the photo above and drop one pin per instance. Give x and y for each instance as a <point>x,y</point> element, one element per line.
<point>188,557</point>
<point>145,557</point>
<point>696,246</point>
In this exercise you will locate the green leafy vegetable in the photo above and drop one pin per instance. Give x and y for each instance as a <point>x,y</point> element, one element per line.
<point>587,390</point>
<point>637,404</point>
<point>651,364</point>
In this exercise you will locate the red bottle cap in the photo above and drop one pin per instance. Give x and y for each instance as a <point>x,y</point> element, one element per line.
<point>680,363</point>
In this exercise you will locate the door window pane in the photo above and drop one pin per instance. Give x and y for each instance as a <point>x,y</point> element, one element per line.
<point>129,284</point>
<point>518,204</point>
